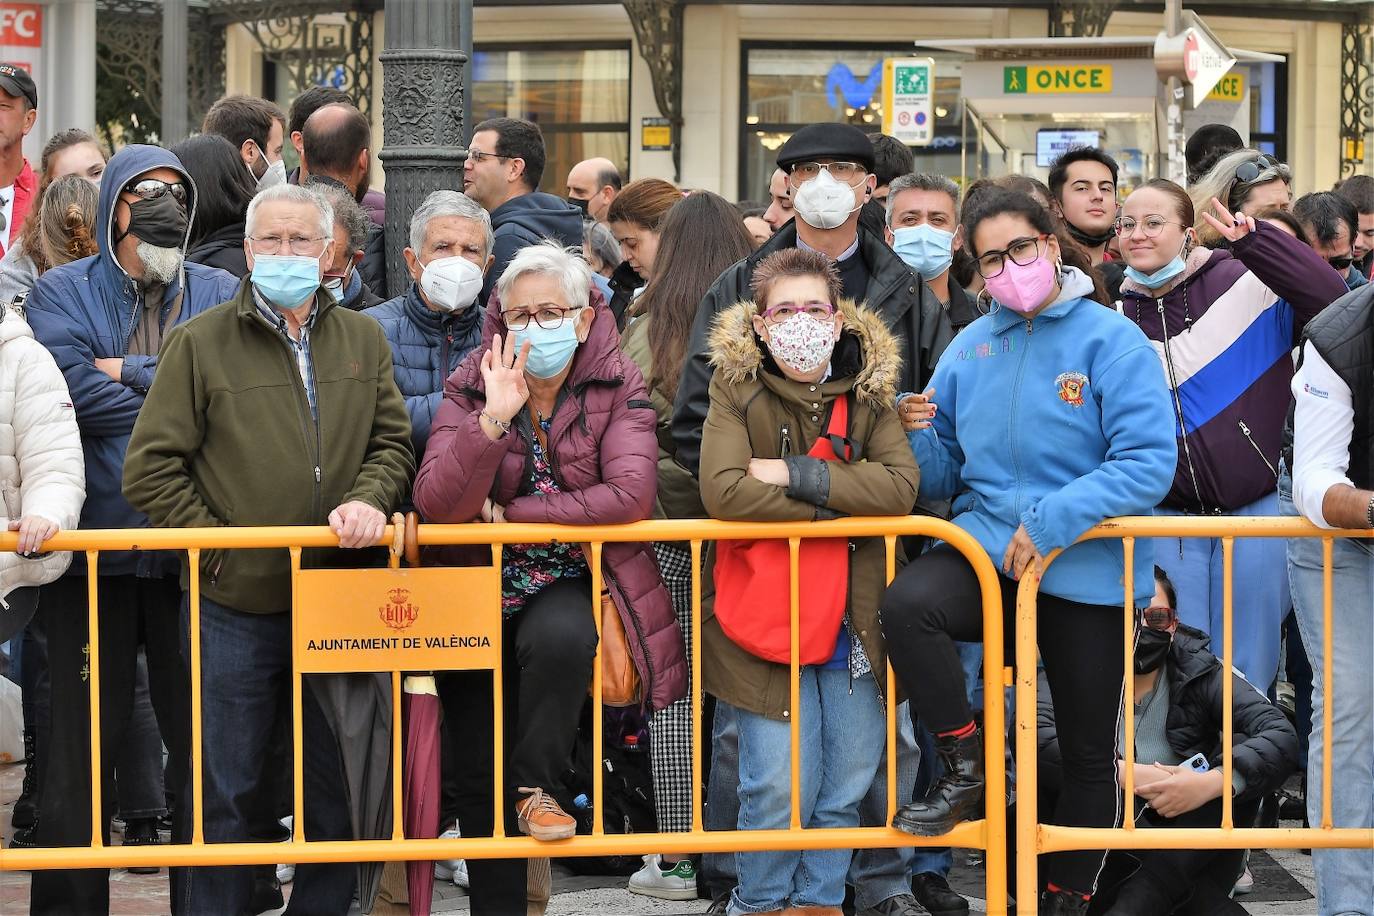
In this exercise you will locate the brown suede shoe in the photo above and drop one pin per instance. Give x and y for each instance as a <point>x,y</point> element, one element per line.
<point>540,817</point>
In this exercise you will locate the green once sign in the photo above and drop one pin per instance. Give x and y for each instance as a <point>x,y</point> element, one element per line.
<point>912,80</point>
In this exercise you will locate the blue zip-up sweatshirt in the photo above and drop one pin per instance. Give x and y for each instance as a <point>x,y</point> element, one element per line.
<point>1054,423</point>
<point>87,310</point>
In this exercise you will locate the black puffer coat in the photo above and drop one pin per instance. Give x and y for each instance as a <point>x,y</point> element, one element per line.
<point>1265,750</point>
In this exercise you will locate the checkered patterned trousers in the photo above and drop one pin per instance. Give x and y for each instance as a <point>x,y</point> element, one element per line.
<point>670,729</point>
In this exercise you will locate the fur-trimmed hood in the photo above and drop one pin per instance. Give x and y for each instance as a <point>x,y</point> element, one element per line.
<point>866,351</point>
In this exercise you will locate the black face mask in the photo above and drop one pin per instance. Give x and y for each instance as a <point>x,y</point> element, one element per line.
<point>1087,240</point>
<point>160,222</point>
<point>579,203</point>
<point>1151,648</point>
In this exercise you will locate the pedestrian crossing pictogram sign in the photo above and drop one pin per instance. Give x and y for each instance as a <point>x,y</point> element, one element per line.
<point>908,99</point>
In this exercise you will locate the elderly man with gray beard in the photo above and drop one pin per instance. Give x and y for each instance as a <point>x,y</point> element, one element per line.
<point>103,318</point>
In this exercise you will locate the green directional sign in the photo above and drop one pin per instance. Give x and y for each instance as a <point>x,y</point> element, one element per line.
<point>911,80</point>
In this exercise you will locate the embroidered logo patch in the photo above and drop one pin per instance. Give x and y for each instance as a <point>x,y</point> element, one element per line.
<point>1071,385</point>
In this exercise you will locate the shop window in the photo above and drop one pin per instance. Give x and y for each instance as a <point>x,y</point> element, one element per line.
<point>1268,90</point>
<point>786,86</point>
<point>579,96</point>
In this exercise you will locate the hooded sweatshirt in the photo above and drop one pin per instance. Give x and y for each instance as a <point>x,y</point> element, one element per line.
<point>1054,423</point>
<point>528,220</point>
<point>88,310</point>
<point>1224,335</point>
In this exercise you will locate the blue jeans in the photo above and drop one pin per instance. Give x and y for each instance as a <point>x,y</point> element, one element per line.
<point>842,730</point>
<point>1260,596</point>
<point>1345,877</point>
<point>722,798</point>
<point>879,874</point>
<point>245,666</point>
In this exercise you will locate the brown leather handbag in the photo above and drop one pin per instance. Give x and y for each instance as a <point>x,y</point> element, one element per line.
<point>619,677</point>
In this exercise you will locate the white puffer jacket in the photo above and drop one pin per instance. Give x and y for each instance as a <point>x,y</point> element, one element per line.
<point>42,471</point>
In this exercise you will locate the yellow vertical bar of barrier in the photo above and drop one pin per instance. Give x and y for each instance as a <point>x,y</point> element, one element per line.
<point>995,758</point>
<point>794,684</point>
<point>498,721</point>
<point>1228,550</point>
<point>297,741</point>
<point>1027,813</point>
<point>695,637</point>
<point>197,727</point>
<point>93,688</point>
<point>1328,547</point>
<point>1128,682</point>
<point>397,803</point>
<point>890,549</point>
<point>598,736</point>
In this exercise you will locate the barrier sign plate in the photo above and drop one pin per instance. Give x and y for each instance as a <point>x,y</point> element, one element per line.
<point>908,99</point>
<point>439,618</point>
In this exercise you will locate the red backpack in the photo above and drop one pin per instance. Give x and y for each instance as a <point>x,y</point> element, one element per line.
<point>753,581</point>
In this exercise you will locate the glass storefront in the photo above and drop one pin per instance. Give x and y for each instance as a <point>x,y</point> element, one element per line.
<point>787,86</point>
<point>579,97</point>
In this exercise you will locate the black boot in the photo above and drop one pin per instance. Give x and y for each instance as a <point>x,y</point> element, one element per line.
<point>25,812</point>
<point>932,891</point>
<point>956,796</point>
<point>1063,903</point>
<point>142,832</point>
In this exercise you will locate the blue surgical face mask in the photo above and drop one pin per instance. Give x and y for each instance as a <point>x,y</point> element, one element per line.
<point>550,351</point>
<point>286,281</point>
<point>925,249</point>
<point>1162,275</point>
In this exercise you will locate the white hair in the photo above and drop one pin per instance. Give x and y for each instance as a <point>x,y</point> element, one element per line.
<point>552,259</point>
<point>160,265</point>
<point>292,194</point>
<point>448,203</point>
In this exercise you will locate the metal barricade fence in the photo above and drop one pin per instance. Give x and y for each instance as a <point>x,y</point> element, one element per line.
<point>1034,838</point>
<point>354,589</point>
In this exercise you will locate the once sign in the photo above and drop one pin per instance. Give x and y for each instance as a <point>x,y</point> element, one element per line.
<point>1057,79</point>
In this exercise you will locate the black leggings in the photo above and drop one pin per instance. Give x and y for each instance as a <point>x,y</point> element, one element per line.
<point>936,600</point>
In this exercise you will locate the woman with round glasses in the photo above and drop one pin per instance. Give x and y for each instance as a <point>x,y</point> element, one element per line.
<point>1178,766</point>
<point>1052,415</point>
<point>1246,180</point>
<point>547,422</point>
<point>1224,324</point>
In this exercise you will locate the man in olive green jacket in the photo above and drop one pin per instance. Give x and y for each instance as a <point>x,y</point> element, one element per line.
<point>276,408</point>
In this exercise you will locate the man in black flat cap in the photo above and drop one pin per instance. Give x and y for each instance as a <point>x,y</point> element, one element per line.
<point>829,174</point>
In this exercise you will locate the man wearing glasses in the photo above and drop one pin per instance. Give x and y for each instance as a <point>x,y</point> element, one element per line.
<point>104,318</point>
<point>276,408</point>
<point>504,167</point>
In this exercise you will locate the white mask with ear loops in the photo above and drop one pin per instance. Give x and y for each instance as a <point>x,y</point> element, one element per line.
<point>824,202</point>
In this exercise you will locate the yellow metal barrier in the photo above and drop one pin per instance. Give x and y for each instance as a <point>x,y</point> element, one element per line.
<point>987,834</point>
<point>1034,838</point>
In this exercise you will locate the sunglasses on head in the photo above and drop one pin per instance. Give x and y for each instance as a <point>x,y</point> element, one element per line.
<point>1251,169</point>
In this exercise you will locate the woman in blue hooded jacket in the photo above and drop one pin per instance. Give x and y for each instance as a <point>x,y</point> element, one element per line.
<point>1053,415</point>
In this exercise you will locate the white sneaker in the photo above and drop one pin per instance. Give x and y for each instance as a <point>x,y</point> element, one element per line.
<point>677,883</point>
<point>286,874</point>
<point>1244,884</point>
<point>455,870</point>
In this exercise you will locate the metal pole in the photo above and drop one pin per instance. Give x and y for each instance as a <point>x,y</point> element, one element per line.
<point>465,31</point>
<point>175,76</point>
<point>423,100</point>
<point>1176,166</point>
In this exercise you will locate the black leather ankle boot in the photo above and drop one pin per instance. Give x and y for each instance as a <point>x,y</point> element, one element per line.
<point>955,797</point>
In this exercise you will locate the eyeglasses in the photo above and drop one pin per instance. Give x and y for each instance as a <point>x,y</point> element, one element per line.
<point>300,245</point>
<point>1021,251</point>
<point>153,188</point>
<point>1251,169</point>
<point>777,314</point>
<point>476,155</point>
<point>1342,262</point>
<point>547,315</point>
<point>1152,226</point>
<point>840,171</point>
<point>1160,617</point>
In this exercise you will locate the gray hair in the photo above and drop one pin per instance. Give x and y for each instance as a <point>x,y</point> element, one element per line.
<point>921,181</point>
<point>600,241</point>
<point>448,203</point>
<point>347,214</point>
<point>292,194</point>
<point>552,259</point>
<point>1221,183</point>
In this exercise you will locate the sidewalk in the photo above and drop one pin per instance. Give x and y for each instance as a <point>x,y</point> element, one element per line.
<point>1283,885</point>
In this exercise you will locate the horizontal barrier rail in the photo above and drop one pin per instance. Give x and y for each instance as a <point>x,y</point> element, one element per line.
<point>1034,838</point>
<point>987,834</point>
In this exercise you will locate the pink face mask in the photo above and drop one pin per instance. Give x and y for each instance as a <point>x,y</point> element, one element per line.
<point>1023,287</point>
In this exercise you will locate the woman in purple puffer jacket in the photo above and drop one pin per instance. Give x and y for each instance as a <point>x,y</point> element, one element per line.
<point>547,422</point>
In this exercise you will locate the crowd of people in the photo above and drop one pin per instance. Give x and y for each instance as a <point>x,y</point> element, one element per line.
<point>196,337</point>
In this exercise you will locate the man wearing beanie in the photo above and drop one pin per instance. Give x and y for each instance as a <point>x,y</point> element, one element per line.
<point>829,171</point>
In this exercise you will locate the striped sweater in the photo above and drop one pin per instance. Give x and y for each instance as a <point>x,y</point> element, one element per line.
<point>1225,336</point>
